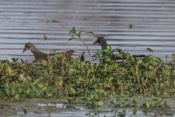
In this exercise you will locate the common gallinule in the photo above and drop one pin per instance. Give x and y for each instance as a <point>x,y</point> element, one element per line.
<point>103,43</point>
<point>40,55</point>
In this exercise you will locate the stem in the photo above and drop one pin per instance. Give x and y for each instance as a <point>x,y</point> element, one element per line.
<point>137,77</point>
<point>62,67</point>
<point>90,58</point>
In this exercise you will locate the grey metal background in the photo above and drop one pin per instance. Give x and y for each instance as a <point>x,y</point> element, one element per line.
<point>23,21</point>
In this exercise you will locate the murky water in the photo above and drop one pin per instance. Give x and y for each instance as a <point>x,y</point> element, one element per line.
<point>60,108</point>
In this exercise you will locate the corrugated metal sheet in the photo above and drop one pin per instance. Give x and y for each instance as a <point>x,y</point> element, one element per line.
<point>23,21</point>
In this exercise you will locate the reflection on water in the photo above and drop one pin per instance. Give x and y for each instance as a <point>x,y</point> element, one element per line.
<point>132,25</point>
<point>60,108</point>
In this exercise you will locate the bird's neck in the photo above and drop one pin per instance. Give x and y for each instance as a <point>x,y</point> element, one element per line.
<point>104,45</point>
<point>36,53</point>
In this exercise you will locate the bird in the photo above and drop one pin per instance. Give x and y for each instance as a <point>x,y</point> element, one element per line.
<point>103,43</point>
<point>40,55</point>
<point>82,57</point>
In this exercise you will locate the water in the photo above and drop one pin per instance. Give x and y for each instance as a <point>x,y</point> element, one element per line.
<point>60,108</point>
<point>22,21</point>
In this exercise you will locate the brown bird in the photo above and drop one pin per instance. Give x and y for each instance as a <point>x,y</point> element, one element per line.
<point>103,43</point>
<point>82,57</point>
<point>40,55</point>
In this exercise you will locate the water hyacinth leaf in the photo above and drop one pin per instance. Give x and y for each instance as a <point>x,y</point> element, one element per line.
<point>15,60</point>
<point>73,79</point>
<point>130,26</point>
<point>43,89</point>
<point>36,82</point>
<point>55,21</point>
<point>60,83</point>
<point>22,77</point>
<point>17,97</point>
<point>71,71</point>
<point>44,37</point>
<point>40,85</point>
<point>134,103</point>
<point>28,91</point>
<point>73,30</point>
<point>100,103</point>
<point>99,35</point>
<point>150,50</point>
<point>107,59</point>
<point>146,74</point>
<point>147,105</point>
<point>173,55</point>
<point>72,90</point>
<point>13,92</point>
<point>145,65</point>
<point>89,71</point>
<point>79,34</point>
<point>132,70</point>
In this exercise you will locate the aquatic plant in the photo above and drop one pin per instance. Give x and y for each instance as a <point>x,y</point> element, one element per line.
<point>75,80</point>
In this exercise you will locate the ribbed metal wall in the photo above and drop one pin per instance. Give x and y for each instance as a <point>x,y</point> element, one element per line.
<point>22,21</point>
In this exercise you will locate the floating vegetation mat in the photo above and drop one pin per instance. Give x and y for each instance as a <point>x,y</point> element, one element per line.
<point>77,80</point>
<point>74,79</point>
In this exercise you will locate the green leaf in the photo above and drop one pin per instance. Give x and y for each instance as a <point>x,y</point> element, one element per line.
<point>79,34</point>
<point>100,103</point>
<point>99,35</point>
<point>107,59</point>
<point>55,21</point>
<point>130,26</point>
<point>44,37</point>
<point>43,89</point>
<point>132,70</point>
<point>22,77</point>
<point>28,91</point>
<point>60,83</point>
<point>150,50</point>
<point>17,97</point>
<point>73,30</point>
<point>147,105</point>
<point>36,82</point>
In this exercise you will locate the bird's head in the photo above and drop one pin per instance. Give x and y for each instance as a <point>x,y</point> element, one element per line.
<point>28,46</point>
<point>100,41</point>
